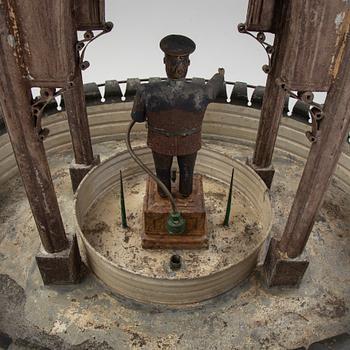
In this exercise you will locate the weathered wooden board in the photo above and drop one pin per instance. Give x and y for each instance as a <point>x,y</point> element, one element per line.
<point>260,15</point>
<point>311,39</point>
<point>45,32</point>
<point>90,14</point>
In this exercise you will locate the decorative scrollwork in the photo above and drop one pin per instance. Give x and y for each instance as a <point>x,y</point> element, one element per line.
<point>316,110</point>
<point>38,106</point>
<point>89,37</point>
<point>261,38</point>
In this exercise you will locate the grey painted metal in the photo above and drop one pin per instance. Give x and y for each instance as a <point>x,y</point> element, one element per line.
<point>132,85</point>
<point>301,111</point>
<point>258,97</point>
<point>239,95</point>
<point>92,94</point>
<point>113,93</point>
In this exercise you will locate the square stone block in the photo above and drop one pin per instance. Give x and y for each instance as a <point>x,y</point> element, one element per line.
<point>283,271</point>
<point>155,215</point>
<point>60,268</point>
<point>266,174</point>
<point>78,171</point>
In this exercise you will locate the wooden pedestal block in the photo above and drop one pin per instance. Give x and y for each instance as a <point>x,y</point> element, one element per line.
<point>155,215</point>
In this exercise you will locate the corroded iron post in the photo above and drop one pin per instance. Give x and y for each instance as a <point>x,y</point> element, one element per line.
<point>59,258</point>
<point>271,114</point>
<point>303,56</point>
<point>265,16</point>
<point>74,100</point>
<point>320,166</point>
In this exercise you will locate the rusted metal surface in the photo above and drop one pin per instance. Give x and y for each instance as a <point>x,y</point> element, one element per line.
<point>271,114</point>
<point>43,35</point>
<point>156,211</point>
<point>90,14</point>
<point>38,106</point>
<point>321,163</point>
<point>312,42</point>
<point>88,38</point>
<point>78,171</point>
<point>261,38</point>
<point>281,271</point>
<point>163,164</point>
<point>266,174</point>
<point>16,102</point>
<point>261,15</point>
<point>315,109</point>
<point>74,100</point>
<point>304,51</point>
<point>63,267</point>
<point>274,97</point>
<point>174,109</point>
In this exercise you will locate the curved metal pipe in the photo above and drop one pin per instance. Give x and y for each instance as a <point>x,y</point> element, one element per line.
<point>146,169</point>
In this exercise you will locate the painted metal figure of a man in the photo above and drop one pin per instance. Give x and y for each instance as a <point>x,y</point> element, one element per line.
<point>174,111</point>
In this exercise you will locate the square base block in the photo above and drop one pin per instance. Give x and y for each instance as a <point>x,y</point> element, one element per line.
<point>280,270</point>
<point>155,215</point>
<point>60,268</point>
<point>78,171</point>
<point>266,174</point>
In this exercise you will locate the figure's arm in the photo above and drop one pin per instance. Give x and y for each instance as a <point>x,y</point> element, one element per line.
<point>215,83</point>
<point>138,113</point>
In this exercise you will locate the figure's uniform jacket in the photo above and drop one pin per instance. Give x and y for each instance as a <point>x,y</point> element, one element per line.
<point>174,111</point>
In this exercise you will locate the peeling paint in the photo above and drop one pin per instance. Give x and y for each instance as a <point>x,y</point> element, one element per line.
<point>339,20</point>
<point>342,31</point>
<point>14,30</point>
<point>11,40</point>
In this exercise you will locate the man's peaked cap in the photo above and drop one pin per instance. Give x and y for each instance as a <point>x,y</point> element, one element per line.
<point>177,45</point>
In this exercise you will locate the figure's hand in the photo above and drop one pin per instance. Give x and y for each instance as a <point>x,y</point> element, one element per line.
<point>221,71</point>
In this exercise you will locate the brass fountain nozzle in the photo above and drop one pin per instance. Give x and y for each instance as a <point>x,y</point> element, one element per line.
<point>176,224</point>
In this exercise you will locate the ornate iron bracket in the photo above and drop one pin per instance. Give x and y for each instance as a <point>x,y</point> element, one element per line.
<point>261,38</point>
<point>38,106</point>
<point>89,37</point>
<point>316,109</point>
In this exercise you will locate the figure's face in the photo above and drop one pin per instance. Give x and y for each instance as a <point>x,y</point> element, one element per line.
<point>176,66</point>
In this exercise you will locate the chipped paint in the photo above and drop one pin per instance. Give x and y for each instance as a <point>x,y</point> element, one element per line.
<point>339,20</point>
<point>11,41</point>
<point>342,32</point>
<point>14,31</point>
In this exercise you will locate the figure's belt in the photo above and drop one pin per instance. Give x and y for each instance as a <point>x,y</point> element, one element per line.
<point>185,132</point>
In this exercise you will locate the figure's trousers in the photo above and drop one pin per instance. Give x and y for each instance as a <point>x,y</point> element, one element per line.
<point>163,169</point>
